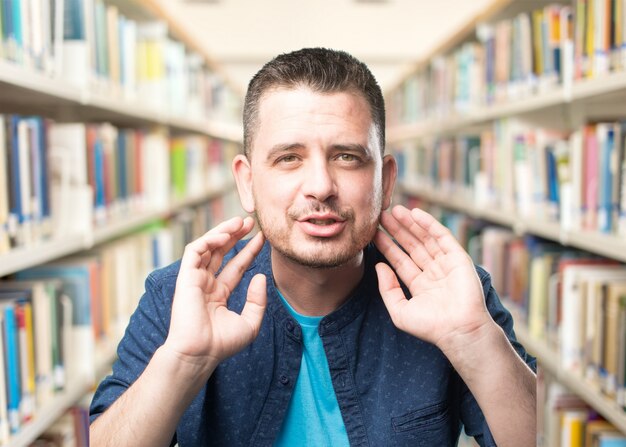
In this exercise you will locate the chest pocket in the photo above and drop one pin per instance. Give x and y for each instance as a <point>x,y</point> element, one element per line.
<point>434,425</point>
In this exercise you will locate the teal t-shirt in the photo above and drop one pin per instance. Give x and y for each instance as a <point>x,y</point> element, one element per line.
<point>313,417</point>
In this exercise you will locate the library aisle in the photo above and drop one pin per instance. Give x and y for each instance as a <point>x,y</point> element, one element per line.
<point>118,129</point>
<point>513,133</point>
<point>116,138</point>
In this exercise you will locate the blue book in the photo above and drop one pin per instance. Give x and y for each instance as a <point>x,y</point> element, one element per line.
<point>43,179</point>
<point>553,183</point>
<point>100,196</point>
<point>611,442</point>
<point>605,178</point>
<point>11,349</point>
<point>16,29</point>
<point>122,176</point>
<point>14,171</point>
<point>73,20</point>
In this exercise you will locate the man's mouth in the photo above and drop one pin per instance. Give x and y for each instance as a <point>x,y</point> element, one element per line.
<point>322,225</point>
<point>322,221</point>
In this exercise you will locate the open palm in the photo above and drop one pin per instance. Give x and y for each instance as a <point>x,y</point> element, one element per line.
<point>202,328</point>
<point>447,297</point>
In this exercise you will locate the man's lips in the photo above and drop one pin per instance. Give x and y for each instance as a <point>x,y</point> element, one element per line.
<point>321,225</point>
<point>321,218</point>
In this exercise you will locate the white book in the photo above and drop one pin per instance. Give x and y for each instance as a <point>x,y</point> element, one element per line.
<point>156,170</point>
<point>71,139</point>
<point>23,141</point>
<point>574,220</point>
<point>578,324</point>
<point>129,64</point>
<point>71,196</point>
<point>4,190</point>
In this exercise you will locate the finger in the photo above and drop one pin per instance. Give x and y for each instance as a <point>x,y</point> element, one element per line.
<point>218,256</point>
<point>406,239</point>
<point>235,268</point>
<point>391,292</point>
<point>405,218</point>
<point>229,226</point>
<point>438,232</point>
<point>194,253</point>
<point>256,302</point>
<point>401,262</point>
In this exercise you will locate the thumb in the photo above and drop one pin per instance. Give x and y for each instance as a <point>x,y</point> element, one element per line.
<point>256,302</point>
<point>391,292</point>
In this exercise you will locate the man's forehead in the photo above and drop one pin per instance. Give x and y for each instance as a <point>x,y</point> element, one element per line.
<point>299,91</point>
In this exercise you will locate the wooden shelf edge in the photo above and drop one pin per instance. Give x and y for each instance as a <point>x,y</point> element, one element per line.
<point>58,247</point>
<point>611,246</point>
<point>580,91</point>
<point>49,413</point>
<point>40,252</point>
<point>125,224</point>
<point>115,105</point>
<point>549,360</point>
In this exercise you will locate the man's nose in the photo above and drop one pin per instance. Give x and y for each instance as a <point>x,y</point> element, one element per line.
<point>319,182</point>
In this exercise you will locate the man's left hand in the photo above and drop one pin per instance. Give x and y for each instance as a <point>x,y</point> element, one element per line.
<point>447,306</point>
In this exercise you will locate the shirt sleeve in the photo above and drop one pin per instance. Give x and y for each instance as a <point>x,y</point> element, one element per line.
<point>471,414</point>
<point>146,331</point>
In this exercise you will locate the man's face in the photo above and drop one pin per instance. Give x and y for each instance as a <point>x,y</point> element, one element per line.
<point>316,178</point>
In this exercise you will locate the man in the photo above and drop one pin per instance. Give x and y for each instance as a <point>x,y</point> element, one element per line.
<point>288,342</point>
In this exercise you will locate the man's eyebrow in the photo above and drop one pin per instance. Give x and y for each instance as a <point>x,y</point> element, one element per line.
<point>363,150</point>
<point>283,147</point>
<point>347,147</point>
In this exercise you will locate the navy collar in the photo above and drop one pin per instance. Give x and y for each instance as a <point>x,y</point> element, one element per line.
<point>354,305</point>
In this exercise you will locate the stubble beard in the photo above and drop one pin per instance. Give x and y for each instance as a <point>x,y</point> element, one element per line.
<point>330,254</point>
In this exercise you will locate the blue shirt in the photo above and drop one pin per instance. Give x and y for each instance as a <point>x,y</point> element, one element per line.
<point>392,388</point>
<point>313,416</point>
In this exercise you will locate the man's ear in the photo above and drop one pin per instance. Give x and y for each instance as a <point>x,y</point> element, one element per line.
<point>390,172</point>
<point>243,178</point>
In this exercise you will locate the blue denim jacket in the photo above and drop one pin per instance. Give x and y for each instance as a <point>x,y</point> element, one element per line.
<point>392,388</point>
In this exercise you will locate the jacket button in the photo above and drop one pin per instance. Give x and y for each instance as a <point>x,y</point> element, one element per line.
<point>289,326</point>
<point>284,379</point>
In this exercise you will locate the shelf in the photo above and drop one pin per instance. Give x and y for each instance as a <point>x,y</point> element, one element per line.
<point>549,360</point>
<point>38,253</point>
<point>45,251</point>
<point>23,90</point>
<point>125,224</point>
<point>458,202</point>
<point>49,413</point>
<point>610,246</point>
<point>582,93</point>
<point>34,84</point>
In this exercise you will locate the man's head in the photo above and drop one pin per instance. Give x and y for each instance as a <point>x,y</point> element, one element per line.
<point>314,172</point>
<point>321,70</point>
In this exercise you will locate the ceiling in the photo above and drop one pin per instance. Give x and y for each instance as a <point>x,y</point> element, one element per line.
<point>388,35</point>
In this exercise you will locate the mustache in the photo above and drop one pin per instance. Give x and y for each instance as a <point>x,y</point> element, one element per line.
<point>317,207</point>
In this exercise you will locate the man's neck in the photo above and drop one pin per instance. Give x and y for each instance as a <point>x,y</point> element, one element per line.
<point>316,291</point>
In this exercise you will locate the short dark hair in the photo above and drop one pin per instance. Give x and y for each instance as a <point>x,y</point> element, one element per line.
<point>322,70</point>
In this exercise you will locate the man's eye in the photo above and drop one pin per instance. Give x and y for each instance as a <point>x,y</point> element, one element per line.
<point>287,159</point>
<point>347,157</point>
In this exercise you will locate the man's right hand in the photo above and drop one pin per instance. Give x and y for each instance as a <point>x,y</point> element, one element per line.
<point>203,331</point>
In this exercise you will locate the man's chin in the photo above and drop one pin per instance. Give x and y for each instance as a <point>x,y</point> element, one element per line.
<point>320,259</point>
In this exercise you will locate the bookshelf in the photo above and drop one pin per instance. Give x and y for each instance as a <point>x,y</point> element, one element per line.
<point>179,125</point>
<point>548,358</point>
<point>608,92</point>
<point>462,94</point>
